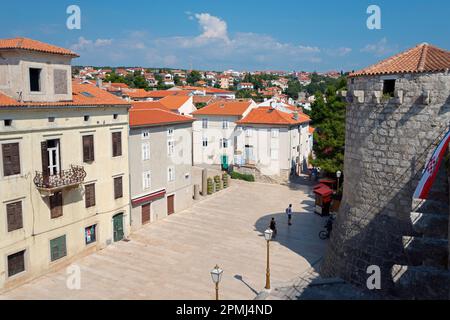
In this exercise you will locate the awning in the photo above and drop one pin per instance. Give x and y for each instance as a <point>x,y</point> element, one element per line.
<point>148,198</point>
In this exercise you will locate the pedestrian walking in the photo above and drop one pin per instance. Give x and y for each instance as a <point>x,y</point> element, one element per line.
<point>273,227</point>
<point>289,214</point>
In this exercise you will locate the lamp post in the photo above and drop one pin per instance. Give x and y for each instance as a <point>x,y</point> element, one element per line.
<point>216,275</point>
<point>338,175</point>
<point>268,236</point>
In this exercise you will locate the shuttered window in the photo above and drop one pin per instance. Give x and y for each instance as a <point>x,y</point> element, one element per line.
<point>90,195</point>
<point>88,148</point>
<point>11,159</point>
<point>14,216</point>
<point>56,205</point>
<point>118,190</point>
<point>16,263</point>
<point>117,144</point>
<point>58,248</point>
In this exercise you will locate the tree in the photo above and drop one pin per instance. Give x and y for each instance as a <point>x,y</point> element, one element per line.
<point>328,117</point>
<point>294,88</point>
<point>193,77</point>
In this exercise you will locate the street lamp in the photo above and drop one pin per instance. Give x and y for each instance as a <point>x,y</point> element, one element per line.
<point>268,236</point>
<point>216,275</point>
<point>338,175</point>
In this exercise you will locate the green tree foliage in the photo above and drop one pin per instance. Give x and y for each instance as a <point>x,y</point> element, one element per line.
<point>244,94</point>
<point>193,77</point>
<point>294,88</point>
<point>328,117</point>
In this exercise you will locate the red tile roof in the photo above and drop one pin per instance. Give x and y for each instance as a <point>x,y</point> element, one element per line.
<point>225,108</point>
<point>312,130</point>
<point>153,113</point>
<point>422,58</point>
<point>34,45</point>
<point>174,102</point>
<point>270,116</point>
<point>141,93</point>
<point>82,95</point>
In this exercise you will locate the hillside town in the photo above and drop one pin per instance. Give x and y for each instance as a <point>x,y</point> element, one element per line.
<point>130,172</point>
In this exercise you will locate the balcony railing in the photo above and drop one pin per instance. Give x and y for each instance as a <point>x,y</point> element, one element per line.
<point>65,179</point>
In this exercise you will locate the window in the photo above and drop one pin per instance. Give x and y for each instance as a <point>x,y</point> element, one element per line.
<point>89,192</point>
<point>51,119</point>
<point>14,216</point>
<point>170,147</point>
<point>115,116</point>
<point>11,159</point>
<point>118,189</point>
<point>88,148</point>
<point>146,180</point>
<point>224,143</point>
<point>171,174</point>
<point>16,263</point>
<point>35,80</point>
<point>275,133</point>
<point>8,122</point>
<point>145,151</point>
<point>389,87</point>
<point>58,248</point>
<point>145,134</point>
<point>60,82</point>
<point>225,124</point>
<point>274,154</point>
<point>90,234</point>
<point>170,132</point>
<point>117,144</point>
<point>56,205</point>
<point>86,118</point>
<point>248,132</point>
<point>205,142</point>
<point>205,123</point>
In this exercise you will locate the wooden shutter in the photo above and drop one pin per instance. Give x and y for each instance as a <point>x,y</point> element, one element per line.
<point>14,216</point>
<point>11,159</point>
<point>88,149</point>
<point>56,205</point>
<point>16,263</point>
<point>45,159</point>
<point>118,189</point>
<point>117,144</point>
<point>90,195</point>
<point>58,248</point>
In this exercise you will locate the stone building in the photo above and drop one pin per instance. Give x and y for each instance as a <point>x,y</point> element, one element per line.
<point>63,163</point>
<point>398,110</point>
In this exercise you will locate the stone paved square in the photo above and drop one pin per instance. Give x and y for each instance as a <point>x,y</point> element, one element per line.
<point>172,258</point>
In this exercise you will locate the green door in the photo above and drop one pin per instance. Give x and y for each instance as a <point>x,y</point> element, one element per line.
<point>225,162</point>
<point>118,227</point>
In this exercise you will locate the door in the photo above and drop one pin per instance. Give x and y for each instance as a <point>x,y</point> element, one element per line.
<point>249,154</point>
<point>118,227</point>
<point>225,163</point>
<point>171,204</point>
<point>146,213</point>
<point>53,157</point>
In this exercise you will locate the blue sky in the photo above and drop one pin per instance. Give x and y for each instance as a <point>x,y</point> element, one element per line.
<point>217,34</point>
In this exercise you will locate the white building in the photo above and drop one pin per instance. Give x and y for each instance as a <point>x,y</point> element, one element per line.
<point>214,131</point>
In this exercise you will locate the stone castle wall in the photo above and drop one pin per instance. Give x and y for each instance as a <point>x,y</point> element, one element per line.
<point>388,142</point>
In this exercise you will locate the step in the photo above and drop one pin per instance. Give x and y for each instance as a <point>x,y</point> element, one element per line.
<point>421,283</point>
<point>430,225</point>
<point>426,251</point>
<point>430,206</point>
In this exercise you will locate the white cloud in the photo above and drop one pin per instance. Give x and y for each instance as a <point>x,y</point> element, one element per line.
<point>380,49</point>
<point>84,44</point>
<point>339,52</point>
<point>213,27</point>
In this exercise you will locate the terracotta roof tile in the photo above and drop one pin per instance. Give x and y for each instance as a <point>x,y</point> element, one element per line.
<point>270,116</point>
<point>150,114</point>
<point>174,102</point>
<point>422,58</point>
<point>225,108</point>
<point>34,45</point>
<point>82,95</point>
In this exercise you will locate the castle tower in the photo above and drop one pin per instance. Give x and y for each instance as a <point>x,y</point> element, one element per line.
<point>397,111</point>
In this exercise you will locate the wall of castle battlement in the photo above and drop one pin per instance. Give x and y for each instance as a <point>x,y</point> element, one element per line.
<point>388,141</point>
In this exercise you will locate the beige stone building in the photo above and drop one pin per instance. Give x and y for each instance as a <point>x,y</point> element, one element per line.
<point>160,162</point>
<point>63,163</point>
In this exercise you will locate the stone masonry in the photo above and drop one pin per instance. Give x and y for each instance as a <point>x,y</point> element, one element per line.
<point>388,141</point>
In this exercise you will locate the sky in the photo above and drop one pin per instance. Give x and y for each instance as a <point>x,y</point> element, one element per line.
<point>247,35</point>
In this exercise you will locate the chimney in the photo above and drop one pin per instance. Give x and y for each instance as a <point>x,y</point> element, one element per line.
<point>295,115</point>
<point>99,83</point>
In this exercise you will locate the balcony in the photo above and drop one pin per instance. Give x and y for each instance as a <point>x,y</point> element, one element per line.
<point>64,180</point>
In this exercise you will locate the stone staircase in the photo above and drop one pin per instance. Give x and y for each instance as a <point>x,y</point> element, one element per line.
<point>426,276</point>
